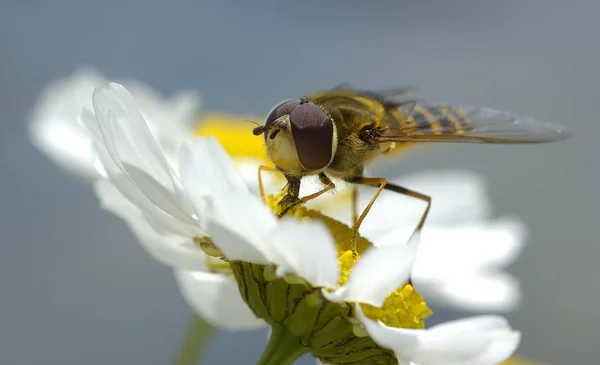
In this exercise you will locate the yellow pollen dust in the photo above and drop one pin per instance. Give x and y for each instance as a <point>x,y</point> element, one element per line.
<point>404,308</point>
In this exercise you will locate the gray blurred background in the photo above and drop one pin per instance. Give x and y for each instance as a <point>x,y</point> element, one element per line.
<point>75,288</point>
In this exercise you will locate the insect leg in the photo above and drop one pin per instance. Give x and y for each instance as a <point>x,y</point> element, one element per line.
<point>354,193</point>
<point>261,187</point>
<point>426,198</point>
<point>383,184</point>
<point>328,186</point>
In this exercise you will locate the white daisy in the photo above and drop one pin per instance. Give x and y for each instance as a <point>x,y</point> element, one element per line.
<point>296,274</point>
<point>475,248</point>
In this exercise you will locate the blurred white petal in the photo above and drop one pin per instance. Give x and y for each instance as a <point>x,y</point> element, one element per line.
<point>248,168</point>
<point>53,123</point>
<point>477,292</point>
<point>55,130</point>
<point>215,297</point>
<point>489,245</point>
<point>462,266</point>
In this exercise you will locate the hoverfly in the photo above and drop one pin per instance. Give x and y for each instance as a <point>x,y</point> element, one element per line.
<point>336,132</point>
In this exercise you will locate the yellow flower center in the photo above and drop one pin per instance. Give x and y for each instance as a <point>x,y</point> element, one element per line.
<point>516,360</point>
<point>234,134</point>
<point>404,308</point>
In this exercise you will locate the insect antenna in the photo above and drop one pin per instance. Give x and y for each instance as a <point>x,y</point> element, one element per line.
<point>260,129</point>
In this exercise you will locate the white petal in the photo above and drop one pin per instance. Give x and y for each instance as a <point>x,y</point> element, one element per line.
<point>175,115</point>
<point>67,145</point>
<point>502,347</point>
<point>160,206</point>
<point>307,250</point>
<point>478,292</point>
<point>471,246</point>
<point>126,132</point>
<point>171,249</point>
<point>53,123</point>
<point>484,340</point>
<point>107,167</point>
<point>248,168</point>
<point>474,323</point>
<point>185,105</point>
<point>241,226</point>
<point>215,297</point>
<point>157,217</point>
<point>157,193</point>
<point>131,145</point>
<point>170,120</point>
<point>207,170</point>
<point>394,236</point>
<point>459,195</point>
<point>379,271</point>
<point>461,266</point>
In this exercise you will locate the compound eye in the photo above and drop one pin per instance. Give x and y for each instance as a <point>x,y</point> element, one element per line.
<point>312,130</point>
<point>280,110</point>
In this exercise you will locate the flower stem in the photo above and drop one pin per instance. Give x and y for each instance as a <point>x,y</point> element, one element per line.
<point>283,348</point>
<point>194,343</point>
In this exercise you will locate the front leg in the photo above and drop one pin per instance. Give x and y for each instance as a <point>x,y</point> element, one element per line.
<point>291,197</point>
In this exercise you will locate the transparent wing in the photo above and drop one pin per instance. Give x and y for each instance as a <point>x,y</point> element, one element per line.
<point>466,124</point>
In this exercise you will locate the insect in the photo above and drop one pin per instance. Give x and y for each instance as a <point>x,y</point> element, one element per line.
<point>337,132</point>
